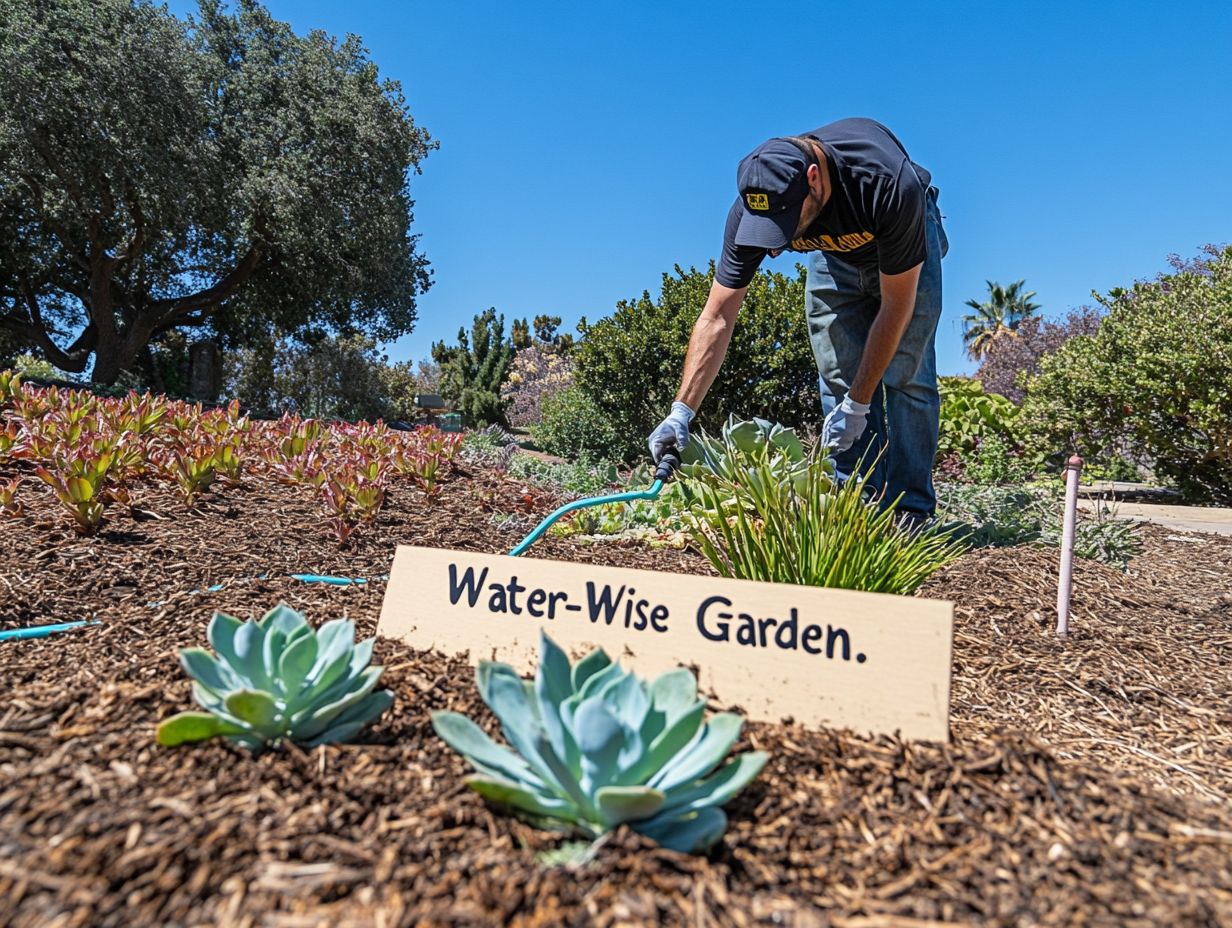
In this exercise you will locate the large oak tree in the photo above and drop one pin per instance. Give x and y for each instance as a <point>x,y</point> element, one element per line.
<point>219,172</point>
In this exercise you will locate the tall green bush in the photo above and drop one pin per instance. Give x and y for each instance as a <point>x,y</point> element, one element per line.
<point>1155,380</point>
<point>629,363</point>
<point>473,370</point>
<point>573,427</point>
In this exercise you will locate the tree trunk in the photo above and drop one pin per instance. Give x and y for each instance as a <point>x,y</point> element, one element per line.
<point>204,370</point>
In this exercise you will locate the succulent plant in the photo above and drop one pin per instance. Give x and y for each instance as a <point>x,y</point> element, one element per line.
<point>744,451</point>
<point>277,678</point>
<point>595,747</point>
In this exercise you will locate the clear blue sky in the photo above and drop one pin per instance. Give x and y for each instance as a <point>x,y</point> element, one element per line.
<point>587,148</point>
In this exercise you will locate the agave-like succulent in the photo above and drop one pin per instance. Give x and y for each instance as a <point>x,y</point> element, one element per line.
<point>744,448</point>
<point>277,678</point>
<point>597,747</point>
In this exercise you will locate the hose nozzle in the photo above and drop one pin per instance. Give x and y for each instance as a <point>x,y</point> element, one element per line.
<point>669,463</point>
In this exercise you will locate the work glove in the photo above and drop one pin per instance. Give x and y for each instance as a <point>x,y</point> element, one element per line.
<point>845,424</point>
<point>672,431</point>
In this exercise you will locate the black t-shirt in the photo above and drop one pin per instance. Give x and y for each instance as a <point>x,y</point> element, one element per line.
<point>875,214</point>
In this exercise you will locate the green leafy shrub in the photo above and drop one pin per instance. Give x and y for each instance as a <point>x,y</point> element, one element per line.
<point>970,416</point>
<point>573,427</point>
<point>278,678</point>
<point>473,370</point>
<point>595,747</point>
<point>765,514</point>
<point>996,463</point>
<point>629,363</point>
<point>1154,382</point>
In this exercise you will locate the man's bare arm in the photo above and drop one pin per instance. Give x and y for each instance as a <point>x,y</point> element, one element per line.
<point>897,305</point>
<point>708,344</point>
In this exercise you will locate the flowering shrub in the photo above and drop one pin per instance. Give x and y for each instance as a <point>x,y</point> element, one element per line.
<point>537,371</point>
<point>1013,357</point>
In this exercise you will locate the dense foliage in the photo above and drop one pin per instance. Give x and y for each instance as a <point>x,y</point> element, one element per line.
<point>996,516</point>
<point>572,426</point>
<point>278,679</point>
<point>219,172</point>
<point>630,363</point>
<point>762,508</point>
<point>1008,362</point>
<point>1155,379</point>
<point>473,370</point>
<point>595,747</point>
<point>345,377</point>
<point>970,415</point>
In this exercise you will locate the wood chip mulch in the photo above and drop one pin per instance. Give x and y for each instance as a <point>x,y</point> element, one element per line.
<point>1088,782</point>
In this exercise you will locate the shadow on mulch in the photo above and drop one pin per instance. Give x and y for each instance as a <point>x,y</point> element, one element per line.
<point>1087,781</point>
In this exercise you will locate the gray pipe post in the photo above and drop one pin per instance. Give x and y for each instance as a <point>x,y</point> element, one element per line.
<point>1073,471</point>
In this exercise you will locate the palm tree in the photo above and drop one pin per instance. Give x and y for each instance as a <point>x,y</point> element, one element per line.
<point>1001,314</point>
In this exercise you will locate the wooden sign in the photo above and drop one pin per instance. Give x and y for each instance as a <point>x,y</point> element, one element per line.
<point>866,661</point>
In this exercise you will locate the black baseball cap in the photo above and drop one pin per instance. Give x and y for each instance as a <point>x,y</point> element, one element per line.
<point>773,184</point>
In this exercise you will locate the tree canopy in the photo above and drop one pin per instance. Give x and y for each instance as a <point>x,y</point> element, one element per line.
<point>1000,314</point>
<point>219,172</point>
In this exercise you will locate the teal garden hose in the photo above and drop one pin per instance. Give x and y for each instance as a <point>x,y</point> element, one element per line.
<point>667,466</point>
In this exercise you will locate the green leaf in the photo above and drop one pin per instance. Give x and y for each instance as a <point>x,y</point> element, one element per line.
<point>563,776</point>
<point>553,685</point>
<point>469,740</point>
<point>284,619</point>
<point>667,745</point>
<point>693,834</point>
<point>202,666</point>
<point>194,726</point>
<point>600,737</point>
<point>221,634</point>
<point>254,708</point>
<point>628,701</point>
<point>317,716</point>
<point>297,660</point>
<point>718,735</point>
<point>349,723</point>
<point>597,681</point>
<point>617,804</point>
<point>588,666</point>
<point>248,655</point>
<point>271,652</point>
<point>335,646</point>
<point>674,693</point>
<point>718,788</point>
<point>509,702</point>
<point>518,797</point>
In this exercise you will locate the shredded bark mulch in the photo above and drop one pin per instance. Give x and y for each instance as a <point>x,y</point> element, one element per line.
<point>1087,782</point>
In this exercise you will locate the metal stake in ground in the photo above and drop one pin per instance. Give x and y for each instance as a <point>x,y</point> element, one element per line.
<point>1073,471</point>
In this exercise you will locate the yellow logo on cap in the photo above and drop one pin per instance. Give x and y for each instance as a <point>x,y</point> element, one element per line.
<point>757,201</point>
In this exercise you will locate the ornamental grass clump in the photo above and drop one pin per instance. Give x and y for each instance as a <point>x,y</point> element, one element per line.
<point>595,747</point>
<point>763,508</point>
<point>277,678</point>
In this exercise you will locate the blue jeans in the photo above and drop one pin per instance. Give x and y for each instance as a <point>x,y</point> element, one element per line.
<point>900,442</point>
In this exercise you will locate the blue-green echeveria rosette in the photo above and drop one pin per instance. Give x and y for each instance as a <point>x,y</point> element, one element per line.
<point>277,678</point>
<point>592,747</point>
